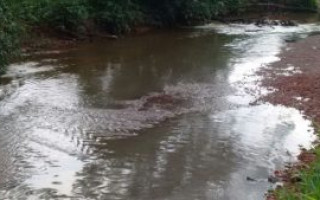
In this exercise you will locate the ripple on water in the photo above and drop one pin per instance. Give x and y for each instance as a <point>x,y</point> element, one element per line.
<point>193,140</point>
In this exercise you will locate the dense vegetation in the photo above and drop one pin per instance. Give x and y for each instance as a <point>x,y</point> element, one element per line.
<point>78,17</point>
<point>9,34</point>
<point>296,3</point>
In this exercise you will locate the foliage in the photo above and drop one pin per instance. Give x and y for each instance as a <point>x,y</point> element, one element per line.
<point>304,3</point>
<point>309,187</point>
<point>9,34</point>
<point>311,4</point>
<point>65,15</point>
<point>120,15</point>
<point>203,10</point>
<point>117,16</point>
<point>59,14</point>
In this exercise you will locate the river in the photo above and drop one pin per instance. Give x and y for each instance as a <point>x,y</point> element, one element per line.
<point>166,115</point>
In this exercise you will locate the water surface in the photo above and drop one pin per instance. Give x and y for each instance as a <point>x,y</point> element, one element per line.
<point>87,122</point>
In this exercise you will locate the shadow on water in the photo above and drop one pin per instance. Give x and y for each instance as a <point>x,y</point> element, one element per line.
<point>158,116</point>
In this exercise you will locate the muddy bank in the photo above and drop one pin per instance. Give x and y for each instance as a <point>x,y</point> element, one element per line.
<point>296,77</point>
<point>295,82</point>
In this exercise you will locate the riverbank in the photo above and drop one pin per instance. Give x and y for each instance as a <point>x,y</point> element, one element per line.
<point>101,120</point>
<point>295,79</point>
<point>83,19</point>
<point>78,19</point>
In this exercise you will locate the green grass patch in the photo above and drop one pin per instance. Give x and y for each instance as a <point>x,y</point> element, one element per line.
<point>309,186</point>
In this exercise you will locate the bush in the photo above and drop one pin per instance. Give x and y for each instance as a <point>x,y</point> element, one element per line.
<point>65,15</point>
<point>115,15</point>
<point>304,3</point>
<point>203,10</point>
<point>9,34</point>
<point>299,4</point>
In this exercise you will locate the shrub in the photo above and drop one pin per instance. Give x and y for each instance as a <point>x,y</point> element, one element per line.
<point>9,34</point>
<point>65,15</point>
<point>116,16</point>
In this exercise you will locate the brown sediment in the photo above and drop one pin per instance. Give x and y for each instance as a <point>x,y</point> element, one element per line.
<point>45,42</point>
<point>295,80</point>
<point>298,87</point>
<point>40,38</point>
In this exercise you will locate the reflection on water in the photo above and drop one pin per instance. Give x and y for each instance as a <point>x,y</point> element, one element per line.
<point>160,116</point>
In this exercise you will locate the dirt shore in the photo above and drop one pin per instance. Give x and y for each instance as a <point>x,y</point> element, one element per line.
<point>296,77</point>
<point>295,80</point>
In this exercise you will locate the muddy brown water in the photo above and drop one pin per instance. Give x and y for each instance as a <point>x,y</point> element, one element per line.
<point>74,122</point>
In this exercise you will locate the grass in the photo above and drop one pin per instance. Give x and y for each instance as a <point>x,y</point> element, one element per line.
<point>309,186</point>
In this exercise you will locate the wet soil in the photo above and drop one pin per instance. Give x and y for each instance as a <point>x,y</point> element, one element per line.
<point>296,78</point>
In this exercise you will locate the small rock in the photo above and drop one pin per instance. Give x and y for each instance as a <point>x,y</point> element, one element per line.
<point>273,179</point>
<point>251,179</point>
<point>295,178</point>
